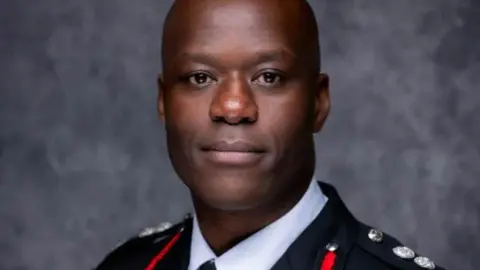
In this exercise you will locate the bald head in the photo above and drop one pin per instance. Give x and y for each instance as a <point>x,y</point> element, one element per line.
<point>294,19</point>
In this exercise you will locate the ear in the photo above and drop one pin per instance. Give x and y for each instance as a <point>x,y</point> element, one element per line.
<point>322,102</point>
<point>161,97</point>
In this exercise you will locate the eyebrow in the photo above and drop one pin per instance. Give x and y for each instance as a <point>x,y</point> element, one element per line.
<point>263,56</point>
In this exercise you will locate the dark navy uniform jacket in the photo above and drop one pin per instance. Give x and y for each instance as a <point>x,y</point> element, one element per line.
<point>335,240</point>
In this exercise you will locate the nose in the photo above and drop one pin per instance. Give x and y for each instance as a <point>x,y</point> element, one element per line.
<point>234,104</point>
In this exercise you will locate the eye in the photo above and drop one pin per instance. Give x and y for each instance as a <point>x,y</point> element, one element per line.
<point>200,79</point>
<point>268,78</point>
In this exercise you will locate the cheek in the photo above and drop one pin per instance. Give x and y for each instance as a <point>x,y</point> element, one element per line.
<point>286,119</point>
<point>182,122</point>
<point>185,114</point>
<point>181,125</point>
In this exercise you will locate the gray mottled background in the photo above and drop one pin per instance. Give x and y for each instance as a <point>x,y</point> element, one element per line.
<point>83,163</point>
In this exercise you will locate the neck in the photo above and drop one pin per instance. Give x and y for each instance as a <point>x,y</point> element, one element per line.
<point>224,229</point>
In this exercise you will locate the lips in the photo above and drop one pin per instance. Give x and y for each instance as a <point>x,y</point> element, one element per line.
<point>233,153</point>
<point>233,146</point>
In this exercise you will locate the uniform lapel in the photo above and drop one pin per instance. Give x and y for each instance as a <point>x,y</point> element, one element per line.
<point>334,224</point>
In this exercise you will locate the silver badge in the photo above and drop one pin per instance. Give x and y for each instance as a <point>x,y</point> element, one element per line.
<point>331,246</point>
<point>375,235</point>
<point>424,262</point>
<point>404,252</point>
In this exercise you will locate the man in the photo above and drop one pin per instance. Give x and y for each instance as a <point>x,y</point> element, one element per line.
<point>241,96</point>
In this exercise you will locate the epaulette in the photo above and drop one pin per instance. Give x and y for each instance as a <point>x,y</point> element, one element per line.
<point>144,240</point>
<point>391,251</point>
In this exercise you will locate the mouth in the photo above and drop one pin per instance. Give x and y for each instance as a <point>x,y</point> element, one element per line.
<point>233,153</point>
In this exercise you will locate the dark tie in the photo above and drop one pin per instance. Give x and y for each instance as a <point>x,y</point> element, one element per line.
<point>208,265</point>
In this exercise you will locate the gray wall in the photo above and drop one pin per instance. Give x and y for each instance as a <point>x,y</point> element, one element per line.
<point>83,163</point>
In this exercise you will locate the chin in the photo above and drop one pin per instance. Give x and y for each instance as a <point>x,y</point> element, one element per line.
<point>233,193</point>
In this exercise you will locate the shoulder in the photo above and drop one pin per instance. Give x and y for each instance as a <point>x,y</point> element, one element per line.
<point>140,245</point>
<point>380,250</point>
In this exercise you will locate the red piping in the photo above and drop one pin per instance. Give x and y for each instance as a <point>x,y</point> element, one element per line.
<point>163,252</point>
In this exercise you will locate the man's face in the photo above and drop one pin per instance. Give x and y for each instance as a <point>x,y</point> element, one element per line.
<point>240,103</point>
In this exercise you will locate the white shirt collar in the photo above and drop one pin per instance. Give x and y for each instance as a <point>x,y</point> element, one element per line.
<point>261,250</point>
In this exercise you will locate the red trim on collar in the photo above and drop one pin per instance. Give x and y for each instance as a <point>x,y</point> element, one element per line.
<point>163,252</point>
<point>328,261</point>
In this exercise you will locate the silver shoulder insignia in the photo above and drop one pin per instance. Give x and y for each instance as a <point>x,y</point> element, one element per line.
<point>151,230</point>
<point>424,262</point>
<point>375,235</point>
<point>404,252</point>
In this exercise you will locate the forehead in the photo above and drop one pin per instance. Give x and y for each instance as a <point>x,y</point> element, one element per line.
<point>240,26</point>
